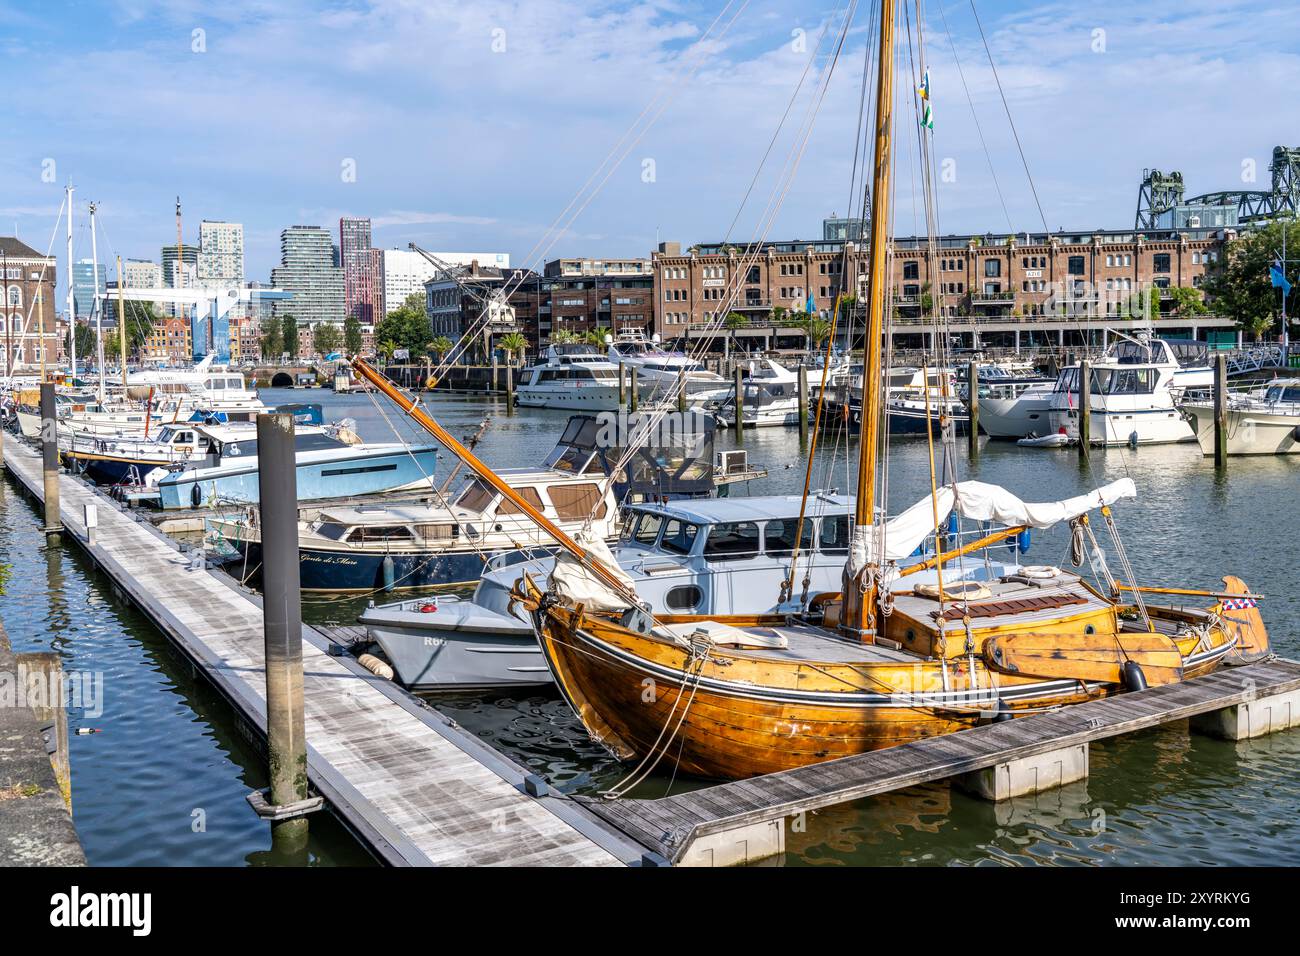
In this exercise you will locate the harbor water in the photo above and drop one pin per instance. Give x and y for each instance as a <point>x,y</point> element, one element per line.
<point>164,782</point>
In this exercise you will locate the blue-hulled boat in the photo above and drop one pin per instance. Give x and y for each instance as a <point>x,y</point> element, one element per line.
<point>328,467</point>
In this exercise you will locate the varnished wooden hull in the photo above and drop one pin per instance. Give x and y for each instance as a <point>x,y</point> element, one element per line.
<point>727,715</point>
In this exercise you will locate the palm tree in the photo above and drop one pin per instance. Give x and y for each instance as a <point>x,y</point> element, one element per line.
<point>596,336</point>
<point>563,337</point>
<point>1260,326</point>
<point>386,349</point>
<point>816,330</point>
<point>515,345</point>
<point>440,347</point>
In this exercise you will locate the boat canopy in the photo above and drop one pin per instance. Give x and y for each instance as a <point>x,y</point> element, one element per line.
<point>979,501</point>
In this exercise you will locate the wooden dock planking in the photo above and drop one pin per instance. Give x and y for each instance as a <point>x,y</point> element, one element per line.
<point>670,824</point>
<point>412,785</point>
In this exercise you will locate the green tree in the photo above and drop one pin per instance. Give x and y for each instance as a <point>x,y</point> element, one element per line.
<point>777,315</point>
<point>85,342</point>
<point>1238,282</point>
<point>140,319</point>
<point>596,336</point>
<point>564,337</point>
<point>386,349</point>
<point>272,339</point>
<point>407,325</point>
<point>325,338</point>
<point>1188,301</point>
<point>289,331</point>
<point>352,335</point>
<point>1153,302</point>
<point>515,345</point>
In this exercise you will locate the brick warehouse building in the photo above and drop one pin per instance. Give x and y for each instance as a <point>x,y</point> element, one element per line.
<point>26,271</point>
<point>1040,288</point>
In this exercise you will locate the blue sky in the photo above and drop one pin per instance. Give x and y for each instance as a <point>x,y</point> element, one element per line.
<point>458,145</point>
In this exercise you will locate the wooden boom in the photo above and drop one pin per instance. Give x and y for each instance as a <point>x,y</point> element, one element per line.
<point>983,542</point>
<point>445,438</point>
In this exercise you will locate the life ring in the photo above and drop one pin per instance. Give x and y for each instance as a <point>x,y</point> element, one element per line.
<point>1040,572</point>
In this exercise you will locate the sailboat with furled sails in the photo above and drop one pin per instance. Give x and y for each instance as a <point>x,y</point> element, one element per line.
<point>881,662</point>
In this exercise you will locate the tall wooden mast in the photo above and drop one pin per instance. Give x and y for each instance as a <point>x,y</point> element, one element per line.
<point>857,598</point>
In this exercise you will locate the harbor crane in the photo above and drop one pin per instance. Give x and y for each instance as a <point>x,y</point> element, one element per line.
<point>500,314</point>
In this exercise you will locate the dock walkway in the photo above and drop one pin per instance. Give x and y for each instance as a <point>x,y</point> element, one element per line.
<point>410,783</point>
<point>672,825</point>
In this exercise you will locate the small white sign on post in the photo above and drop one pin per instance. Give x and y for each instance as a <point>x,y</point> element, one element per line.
<point>91,518</point>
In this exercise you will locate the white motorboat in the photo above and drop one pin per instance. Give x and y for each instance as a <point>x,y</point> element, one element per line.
<point>658,371</point>
<point>1263,422</point>
<point>1132,392</point>
<point>578,377</point>
<point>770,396</point>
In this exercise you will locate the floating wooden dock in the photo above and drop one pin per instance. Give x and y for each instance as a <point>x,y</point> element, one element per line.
<point>745,819</point>
<point>410,783</point>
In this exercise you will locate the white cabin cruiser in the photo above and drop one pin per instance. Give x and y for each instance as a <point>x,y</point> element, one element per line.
<point>659,371</point>
<point>577,377</point>
<point>1262,422</point>
<point>770,395</point>
<point>1132,393</point>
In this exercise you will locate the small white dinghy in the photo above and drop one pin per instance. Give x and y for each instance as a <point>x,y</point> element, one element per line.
<point>1058,440</point>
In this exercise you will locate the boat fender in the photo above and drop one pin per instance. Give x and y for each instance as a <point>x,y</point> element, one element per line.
<point>1004,713</point>
<point>390,573</point>
<point>196,495</point>
<point>1132,677</point>
<point>377,667</point>
<point>1023,540</point>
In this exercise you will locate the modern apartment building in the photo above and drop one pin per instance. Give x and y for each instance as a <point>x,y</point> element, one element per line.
<point>26,274</point>
<point>221,254</point>
<point>84,277</point>
<point>188,274</point>
<point>362,270</point>
<point>307,269</point>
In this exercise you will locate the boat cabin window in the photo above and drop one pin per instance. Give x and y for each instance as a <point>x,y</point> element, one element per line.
<point>437,532</point>
<point>732,539</point>
<point>577,501</point>
<point>684,597</point>
<point>476,496</point>
<point>778,536</point>
<point>332,530</point>
<point>835,534</point>
<point>529,495</point>
<point>1283,393</point>
<point>183,438</point>
<point>1125,381</point>
<point>647,529</point>
<point>679,536</point>
<point>365,533</point>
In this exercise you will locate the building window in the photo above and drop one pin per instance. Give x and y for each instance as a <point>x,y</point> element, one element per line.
<point>1160,262</point>
<point>1075,265</point>
<point>993,267</point>
<point>911,269</point>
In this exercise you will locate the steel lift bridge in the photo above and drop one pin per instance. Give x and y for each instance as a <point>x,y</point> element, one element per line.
<point>1161,204</point>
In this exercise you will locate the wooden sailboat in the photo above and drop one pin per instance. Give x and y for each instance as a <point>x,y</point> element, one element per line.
<point>880,663</point>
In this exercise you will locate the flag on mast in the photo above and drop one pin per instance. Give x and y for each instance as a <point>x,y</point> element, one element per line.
<point>1277,276</point>
<point>924,88</point>
<point>927,118</point>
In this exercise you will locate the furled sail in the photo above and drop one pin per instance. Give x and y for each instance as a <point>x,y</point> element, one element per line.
<point>978,501</point>
<point>576,584</point>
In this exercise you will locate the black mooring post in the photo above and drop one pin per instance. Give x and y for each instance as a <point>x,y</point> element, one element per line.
<point>282,627</point>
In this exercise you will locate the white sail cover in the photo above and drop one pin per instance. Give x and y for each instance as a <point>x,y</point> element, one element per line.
<point>578,585</point>
<point>978,501</point>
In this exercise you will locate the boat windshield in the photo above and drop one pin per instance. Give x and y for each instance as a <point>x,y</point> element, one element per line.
<point>679,536</point>
<point>476,496</point>
<point>1283,393</point>
<point>1124,381</point>
<point>731,540</point>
